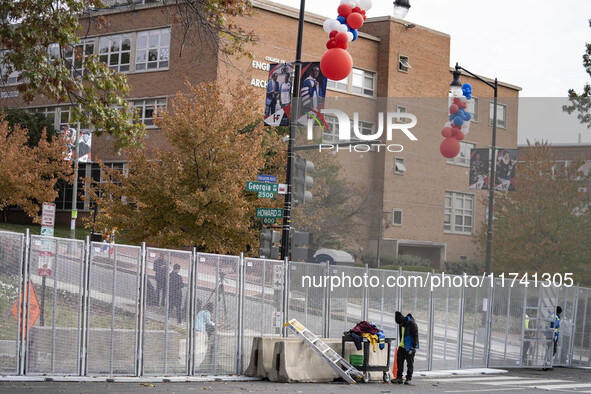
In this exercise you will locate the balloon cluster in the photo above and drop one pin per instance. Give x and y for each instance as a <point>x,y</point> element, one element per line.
<point>459,123</point>
<point>336,63</point>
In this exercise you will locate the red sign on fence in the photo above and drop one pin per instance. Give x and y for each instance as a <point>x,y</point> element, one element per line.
<point>34,310</point>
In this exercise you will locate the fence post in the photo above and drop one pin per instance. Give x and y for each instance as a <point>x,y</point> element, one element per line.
<point>23,294</point>
<point>571,346</point>
<point>84,296</point>
<point>141,312</point>
<point>240,325</point>
<point>286,287</point>
<point>461,325</point>
<point>365,298</point>
<point>191,314</point>
<point>431,328</point>
<point>326,328</point>
<point>490,305</point>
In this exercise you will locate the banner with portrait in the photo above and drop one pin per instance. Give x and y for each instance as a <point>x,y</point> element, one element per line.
<point>505,170</point>
<point>479,165</point>
<point>279,92</point>
<point>84,145</point>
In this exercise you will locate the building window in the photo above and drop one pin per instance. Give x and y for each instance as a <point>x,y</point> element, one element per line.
<point>65,191</point>
<point>365,128</point>
<point>463,257</point>
<point>5,77</point>
<point>463,158</point>
<point>399,167</point>
<point>458,213</point>
<point>402,110</point>
<point>397,217</point>
<point>73,55</point>
<point>403,64</point>
<point>115,51</point>
<point>471,107</point>
<point>152,50</point>
<point>359,82</point>
<point>148,108</point>
<point>501,115</point>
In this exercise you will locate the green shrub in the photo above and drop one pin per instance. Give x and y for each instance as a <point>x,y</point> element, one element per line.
<point>470,267</point>
<point>389,260</point>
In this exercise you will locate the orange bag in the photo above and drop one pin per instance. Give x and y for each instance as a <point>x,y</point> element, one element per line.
<point>395,365</point>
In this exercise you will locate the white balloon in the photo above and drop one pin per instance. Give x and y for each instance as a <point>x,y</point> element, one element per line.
<point>331,25</point>
<point>365,4</point>
<point>341,28</point>
<point>447,124</point>
<point>466,127</point>
<point>350,35</point>
<point>352,3</point>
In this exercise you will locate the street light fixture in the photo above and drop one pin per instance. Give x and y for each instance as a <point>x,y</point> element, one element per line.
<point>491,182</point>
<point>401,8</point>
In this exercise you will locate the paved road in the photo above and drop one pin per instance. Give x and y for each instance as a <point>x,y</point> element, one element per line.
<point>523,381</point>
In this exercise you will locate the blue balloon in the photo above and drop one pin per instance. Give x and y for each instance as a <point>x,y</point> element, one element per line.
<point>342,19</point>
<point>355,34</point>
<point>467,116</point>
<point>451,117</point>
<point>458,121</point>
<point>460,113</point>
<point>467,90</point>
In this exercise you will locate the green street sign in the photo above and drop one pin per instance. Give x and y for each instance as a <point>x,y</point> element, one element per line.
<point>269,213</point>
<point>266,195</point>
<point>269,220</point>
<point>262,187</point>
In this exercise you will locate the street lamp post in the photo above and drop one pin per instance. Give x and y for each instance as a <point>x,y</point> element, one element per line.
<point>491,182</point>
<point>401,8</point>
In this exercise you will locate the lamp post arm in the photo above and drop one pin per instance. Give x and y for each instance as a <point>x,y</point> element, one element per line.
<point>494,86</point>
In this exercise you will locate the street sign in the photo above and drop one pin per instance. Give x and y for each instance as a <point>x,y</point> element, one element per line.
<point>269,220</point>
<point>266,195</point>
<point>267,178</point>
<point>261,187</point>
<point>44,264</point>
<point>34,310</point>
<point>282,188</point>
<point>277,277</point>
<point>269,213</point>
<point>48,214</point>
<point>47,231</point>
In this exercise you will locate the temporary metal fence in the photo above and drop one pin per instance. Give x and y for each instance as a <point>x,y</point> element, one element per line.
<point>107,309</point>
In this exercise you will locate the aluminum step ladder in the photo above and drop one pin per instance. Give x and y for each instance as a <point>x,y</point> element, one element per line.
<point>333,358</point>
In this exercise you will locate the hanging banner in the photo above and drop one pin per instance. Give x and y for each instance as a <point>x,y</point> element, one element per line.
<point>279,92</point>
<point>505,171</point>
<point>84,145</point>
<point>479,164</point>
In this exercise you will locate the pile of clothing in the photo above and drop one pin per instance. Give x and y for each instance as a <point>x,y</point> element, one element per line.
<point>367,330</point>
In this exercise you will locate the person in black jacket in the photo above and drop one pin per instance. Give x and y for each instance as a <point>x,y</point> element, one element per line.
<point>175,283</point>
<point>409,343</point>
<point>160,273</point>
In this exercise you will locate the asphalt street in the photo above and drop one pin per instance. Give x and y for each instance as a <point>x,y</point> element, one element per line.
<point>522,380</point>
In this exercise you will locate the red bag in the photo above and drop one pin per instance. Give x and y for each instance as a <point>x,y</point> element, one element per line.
<point>395,365</point>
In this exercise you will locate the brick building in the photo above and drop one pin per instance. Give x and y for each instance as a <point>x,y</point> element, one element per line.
<point>425,206</point>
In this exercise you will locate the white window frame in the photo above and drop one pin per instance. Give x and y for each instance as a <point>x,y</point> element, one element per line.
<point>451,213</point>
<point>76,66</point>
<point>351,83</point>
<point>402,67</point>
<point>401,109</point>
<point>108,42</point>
<point>12,78</point>
<point>471,107</point>
<point>394,211</point>
<point>399,167</point>
<point>157,44</point>
<point>463,157</point>
<point>501,110</point>
<point>149,104</point>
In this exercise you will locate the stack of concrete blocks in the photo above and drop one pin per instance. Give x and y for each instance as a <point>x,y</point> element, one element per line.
<point>289,360</point>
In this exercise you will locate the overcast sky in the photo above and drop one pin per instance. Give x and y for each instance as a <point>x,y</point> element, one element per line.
<point>535,44</point>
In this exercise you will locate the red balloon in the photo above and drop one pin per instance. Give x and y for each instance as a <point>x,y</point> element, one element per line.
<point>457,101</point>
<point>331,44</point>
<point>455,128</point>
<point>463,104</point>
<point>460,135</point>
<point>336,64</point>
<point>446,132</point>
<point>357,9</point>
<point>355,20</point>
<point>450,147</point>
<point>344,10</point>
<point>341,38</point>
<point>453,109</point>
<point>333,33</point>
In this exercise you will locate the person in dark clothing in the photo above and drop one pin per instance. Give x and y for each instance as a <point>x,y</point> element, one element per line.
<point>175,283</point>
<point>409,343</point>
<point>161,274</point>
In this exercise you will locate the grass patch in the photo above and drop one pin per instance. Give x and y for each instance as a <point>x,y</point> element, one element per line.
<point>35,229</point>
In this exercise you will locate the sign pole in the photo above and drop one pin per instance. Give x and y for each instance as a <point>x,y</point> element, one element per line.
<point>42,317</point>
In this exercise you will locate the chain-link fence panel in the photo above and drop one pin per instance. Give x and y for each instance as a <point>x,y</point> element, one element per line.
<point>56,268</point>
<point>166,319</point>
<point>383,301</point>
<point>216,322</point>
<point>567,301</point>
<point>447,312</point>
<point>113,302</point>
<point>11,257</point>
<point>416,299</point>
<point>582,342</point>
<point>474,325</point>
<point>346,298</point>
<point>307,295</point>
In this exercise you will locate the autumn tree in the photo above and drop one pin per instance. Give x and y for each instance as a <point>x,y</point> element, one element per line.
<point>192,194</point>
<point>28,174</point>
<point>544,225</point>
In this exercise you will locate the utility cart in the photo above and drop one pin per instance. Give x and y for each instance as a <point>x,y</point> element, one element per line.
<point>366,368</point>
